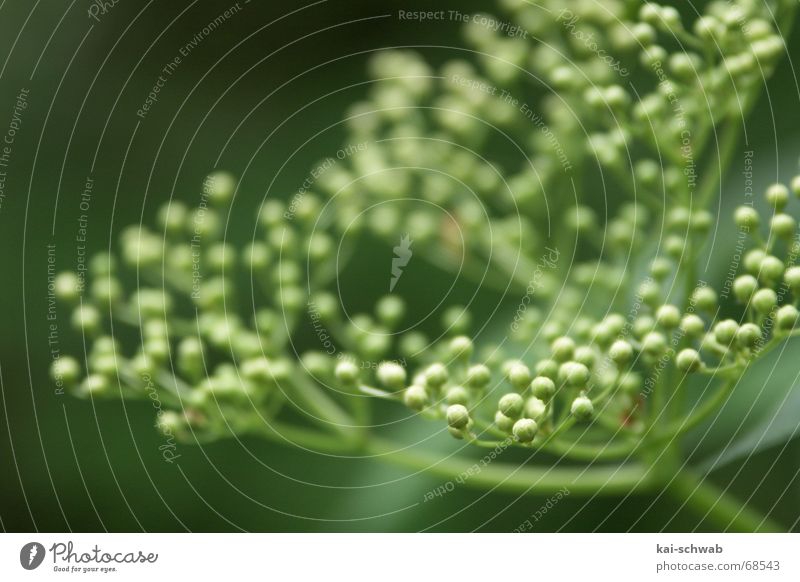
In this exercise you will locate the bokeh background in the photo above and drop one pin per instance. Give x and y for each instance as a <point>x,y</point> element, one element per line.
<point>291,69</point>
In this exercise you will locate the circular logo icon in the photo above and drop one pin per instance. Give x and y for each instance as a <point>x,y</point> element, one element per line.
<point>31,555</point>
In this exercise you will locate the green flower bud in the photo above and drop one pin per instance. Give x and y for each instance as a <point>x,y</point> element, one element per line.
<point>705,298</point>
<point>580,219</point>
<point>668,316</point>
<point>648,171</point>
<point>390,311</point>
<point>752,261</point>
<point>562,348</point>
<point>95,385</point>
<point>796,186</point>
<point>547,368</point>
<point>65,369</point>
<point>650,13</point>
<point>220,257</point>
<point>685,66</point>
<point>155,328</point>
<point>708,28</point>
<point>86,319</point>
<point>391,375</point>
<point>771,269</point>
<point>783,226</point>
<point>675,246</point>
<point>436,375</point>
<point>170,423</point>
<point>152,303</point>
<point>768,48</point>
<point>747,217</point>
<point>692,325</point>
<point>171,217</point>
<point>102,265</point>
<point>603,335</point>
<point>412,344</point>
<point>615,321</point>
<point>688,360</point>
<point>748,335</point>
<point>142,365</point>
<point>457,416</point>
<point>347,373</point>
<point>660,268</point>
<point>551,331</point>
<point>105,345</point>
<point>511,405</point>
<point>585,355</point>
<point>375,345</point>
<point>701,222</point>
<point>643,325</point>
<point>643,34</point>
<point>744,287</point>
<point>678,218</point>
<point>456,433</point>
<point>458,395</point>
<point>247,344</point>
<point>280,370</point>
<point>792,278</point>
<point>256,256</point>
<point>142,249</point>
<point>582,408</point>
<point>503,422</point>
<point>415,397</point>
<point>725,331</point>
<point>106,291</point>
<point>630,383</point>
<point>478,376</point>
<point>105,364</point>
<point>525,430</point>
<point>654,343</point>
<point>325,305</point>
<point>519,376</point>
<point>543,388</point>
<point>764,300</point>
<point>457,320</point>
<point>461,347</point>
<point>777,196</point>
<point>256,370</point>
<point>621,352</point>
<point>616,98</point>
<point>318,364</point>
<point>219,187</point>
<point>157,349</point>
<point>320,247</point>
<point>573,374</point>
<point>787,317</point>
<point>650,292</point>
<point>67,287</point>
<point>534,408</point>
<point>271,214</point>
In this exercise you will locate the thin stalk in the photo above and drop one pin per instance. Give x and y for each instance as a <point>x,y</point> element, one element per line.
<point>601,480</point>
<point>727,512</point>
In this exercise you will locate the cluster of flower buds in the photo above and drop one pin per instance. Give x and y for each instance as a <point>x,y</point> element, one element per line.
<point>612,371</point>
<point>200,348</point>
<point>631,95</point>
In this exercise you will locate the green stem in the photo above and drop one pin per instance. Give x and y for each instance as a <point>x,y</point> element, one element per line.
<point>303,437</point>
<point>321,405</point>
<point>700,414</point>
<point>602,480</point>
<point>727,512</point>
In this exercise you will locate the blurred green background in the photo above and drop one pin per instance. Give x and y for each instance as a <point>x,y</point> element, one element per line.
<point>67,464</point>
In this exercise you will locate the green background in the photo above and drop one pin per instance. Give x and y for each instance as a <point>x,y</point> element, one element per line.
<point>72,465</point>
